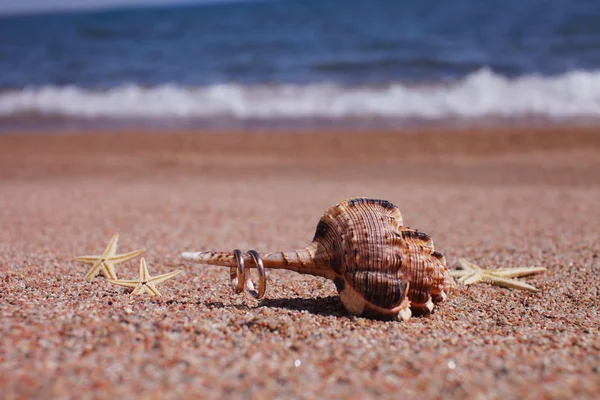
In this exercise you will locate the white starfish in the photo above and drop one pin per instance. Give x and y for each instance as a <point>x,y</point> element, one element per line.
<point>105,263</point>
<point>145,283</point>
<point>471,273</point>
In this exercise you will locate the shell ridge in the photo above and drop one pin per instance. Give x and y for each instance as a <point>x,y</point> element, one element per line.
<point>380,276</point>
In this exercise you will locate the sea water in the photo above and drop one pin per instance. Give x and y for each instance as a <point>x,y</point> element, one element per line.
<point>314,62</point>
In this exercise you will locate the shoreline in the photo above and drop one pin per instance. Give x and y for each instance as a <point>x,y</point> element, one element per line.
<point>60,125</point>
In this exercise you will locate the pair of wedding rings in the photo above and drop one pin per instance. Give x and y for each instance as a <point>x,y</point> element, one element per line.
<point>241,279</point>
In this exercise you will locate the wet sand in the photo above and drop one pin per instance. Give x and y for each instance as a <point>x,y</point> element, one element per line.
<point>499,198</point>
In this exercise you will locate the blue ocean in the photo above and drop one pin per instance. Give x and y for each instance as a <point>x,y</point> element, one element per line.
<point>297,62</point>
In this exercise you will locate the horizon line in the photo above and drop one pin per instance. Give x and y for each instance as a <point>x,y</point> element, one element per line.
<point>74,9</point>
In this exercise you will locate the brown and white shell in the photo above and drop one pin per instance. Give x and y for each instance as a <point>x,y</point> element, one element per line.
<point>381,269</point>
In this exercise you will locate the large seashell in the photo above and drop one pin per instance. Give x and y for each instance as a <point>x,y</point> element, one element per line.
<point>381,269</point>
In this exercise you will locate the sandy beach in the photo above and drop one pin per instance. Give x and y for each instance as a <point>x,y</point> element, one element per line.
<point>498,197</point>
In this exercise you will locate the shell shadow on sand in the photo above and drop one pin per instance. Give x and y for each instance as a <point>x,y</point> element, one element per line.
<point>326,306</point>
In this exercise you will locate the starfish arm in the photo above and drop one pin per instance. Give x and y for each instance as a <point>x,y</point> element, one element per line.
<point>466,277</point>
<point>111,249</point>
<point>467,265</point>
<point>516,272</point>
<point>509,283</point>
<point>127,283</point>
<point>87,259</point>
<point>144,274</point>
<point>161,278</point>
<point>466,272</point>
<point>119,258</point>
<point>461,274</point>
<point>471,279</point>
<point>152,289</point>
<point>141,289</point>
<point>92,272</point>
<point>109,270</point>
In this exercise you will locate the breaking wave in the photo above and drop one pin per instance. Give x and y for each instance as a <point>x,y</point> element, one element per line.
<point>481,94</point>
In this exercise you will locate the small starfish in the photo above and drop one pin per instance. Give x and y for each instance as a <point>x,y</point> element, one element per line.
<point>471,273</point>
<point>145,283</point>
<point>105,263</point>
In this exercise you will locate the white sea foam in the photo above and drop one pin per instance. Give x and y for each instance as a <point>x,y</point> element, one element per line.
<point>483,93</point>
